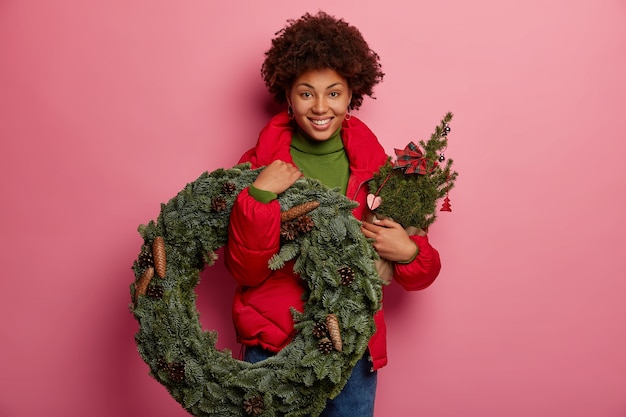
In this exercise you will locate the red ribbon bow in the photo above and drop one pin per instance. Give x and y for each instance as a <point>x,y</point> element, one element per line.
<point>412,160</point>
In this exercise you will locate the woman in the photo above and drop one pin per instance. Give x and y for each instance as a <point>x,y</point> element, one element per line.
<point>321,68</point>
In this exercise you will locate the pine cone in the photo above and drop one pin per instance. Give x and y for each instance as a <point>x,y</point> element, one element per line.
<point>145,259</point>
<point>325,345</point>
<point>346,274</point>
<point>176,371</point>
<point>305,224</point>
<point>228,188</point>
<point>288,231</point>
<point>320,330</point>
<point>162,364</point>
<point>299,210</point>
<point>218,204</point>
<point>142,284</point>
<point>253,406</point>
<point>332,324</point>
<point>155,291</point>
<point>158,253</point>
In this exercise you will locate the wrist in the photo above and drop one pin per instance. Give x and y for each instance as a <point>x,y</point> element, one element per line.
<point>415,253</point>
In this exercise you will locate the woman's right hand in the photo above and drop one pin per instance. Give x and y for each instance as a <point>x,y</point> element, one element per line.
<point>277,177</point>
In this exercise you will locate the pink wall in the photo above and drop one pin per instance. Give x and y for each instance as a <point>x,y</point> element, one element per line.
<point>108,108</point>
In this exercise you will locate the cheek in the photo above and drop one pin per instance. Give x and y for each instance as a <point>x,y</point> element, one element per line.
<point>299,111</point>
<point>341,109</point>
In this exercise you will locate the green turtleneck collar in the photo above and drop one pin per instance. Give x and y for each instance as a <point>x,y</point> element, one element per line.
<point>324,160</point>
<point>304,144</point>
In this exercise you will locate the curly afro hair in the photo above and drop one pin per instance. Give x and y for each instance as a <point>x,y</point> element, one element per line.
<point>316,42</point>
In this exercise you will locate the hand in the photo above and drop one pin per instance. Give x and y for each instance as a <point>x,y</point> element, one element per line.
<point>391,241</point>
<point>277,177</point>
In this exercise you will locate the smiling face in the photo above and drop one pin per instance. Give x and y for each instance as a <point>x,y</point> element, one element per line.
<point>320,100</point>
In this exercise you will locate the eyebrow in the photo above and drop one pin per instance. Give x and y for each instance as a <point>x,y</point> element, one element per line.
<point>327,88</point>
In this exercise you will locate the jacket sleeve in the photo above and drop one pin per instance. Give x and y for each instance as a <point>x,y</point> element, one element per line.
<point>253,238</point>
<point>423,270</point>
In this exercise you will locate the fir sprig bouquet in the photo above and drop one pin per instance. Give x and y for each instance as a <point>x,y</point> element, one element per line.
<point>408,189</point>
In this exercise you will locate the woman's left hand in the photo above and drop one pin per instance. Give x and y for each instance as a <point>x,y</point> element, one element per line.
<point>390,240</point>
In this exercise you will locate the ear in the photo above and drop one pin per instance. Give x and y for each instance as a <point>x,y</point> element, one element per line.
<point>287,97</point>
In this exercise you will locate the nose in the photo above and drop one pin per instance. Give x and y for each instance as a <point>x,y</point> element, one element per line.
<point>320,105</point>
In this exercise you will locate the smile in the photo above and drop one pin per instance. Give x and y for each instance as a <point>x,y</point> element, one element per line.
<point>320,122</point>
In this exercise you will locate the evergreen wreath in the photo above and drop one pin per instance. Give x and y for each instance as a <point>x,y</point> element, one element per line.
<point>331,254</point>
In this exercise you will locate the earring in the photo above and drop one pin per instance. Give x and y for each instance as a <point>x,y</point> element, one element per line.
<point>349,114</point>
<point>290,112</point>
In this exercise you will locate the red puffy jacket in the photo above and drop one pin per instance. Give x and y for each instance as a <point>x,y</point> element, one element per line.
<point>262,302</point>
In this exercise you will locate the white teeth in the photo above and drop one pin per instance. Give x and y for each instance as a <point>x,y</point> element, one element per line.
<point>321,122</point>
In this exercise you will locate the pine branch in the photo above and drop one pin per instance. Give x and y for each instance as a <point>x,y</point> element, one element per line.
<point>411,198</point>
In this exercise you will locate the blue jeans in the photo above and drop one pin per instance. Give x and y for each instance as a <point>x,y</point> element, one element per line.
<point>357,397</point>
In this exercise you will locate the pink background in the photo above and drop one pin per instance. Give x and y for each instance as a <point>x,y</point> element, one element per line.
<point>109,108</point>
